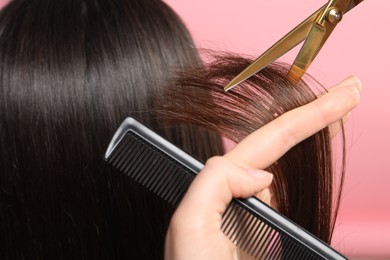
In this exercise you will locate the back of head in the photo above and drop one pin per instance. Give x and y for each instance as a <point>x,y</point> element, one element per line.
<point>70,72</point>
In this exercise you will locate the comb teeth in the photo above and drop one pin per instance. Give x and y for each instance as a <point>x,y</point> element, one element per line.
<point>152,168</point>
<point>167,171</point>
<point>258,238</point>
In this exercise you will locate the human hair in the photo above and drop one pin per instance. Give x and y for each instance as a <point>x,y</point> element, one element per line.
<point>70,72</point>
<point>303,178</point>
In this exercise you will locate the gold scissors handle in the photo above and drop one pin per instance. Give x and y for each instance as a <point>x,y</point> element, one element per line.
<point>316,29</point>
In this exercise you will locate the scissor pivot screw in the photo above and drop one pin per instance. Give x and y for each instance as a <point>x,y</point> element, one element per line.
<point>334,15</point>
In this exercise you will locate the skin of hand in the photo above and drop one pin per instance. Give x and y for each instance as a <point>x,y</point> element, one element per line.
<point>194,231</point>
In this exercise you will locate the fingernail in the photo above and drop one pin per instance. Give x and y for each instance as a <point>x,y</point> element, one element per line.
<point>260,174</point>
<point>356,82</point>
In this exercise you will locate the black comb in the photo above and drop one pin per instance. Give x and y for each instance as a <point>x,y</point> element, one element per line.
<point>168,171</point>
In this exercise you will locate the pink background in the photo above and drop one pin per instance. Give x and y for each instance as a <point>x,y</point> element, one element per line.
<point>359,45</point>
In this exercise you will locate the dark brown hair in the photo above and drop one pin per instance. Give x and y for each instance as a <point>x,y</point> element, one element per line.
<point>303,179</point>
<point>70,72</point>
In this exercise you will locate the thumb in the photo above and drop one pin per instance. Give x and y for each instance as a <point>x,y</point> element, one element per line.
<point>215,186</point>
<point>195,228</point>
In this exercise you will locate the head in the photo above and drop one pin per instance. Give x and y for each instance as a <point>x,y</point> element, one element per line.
<point>70,72</point>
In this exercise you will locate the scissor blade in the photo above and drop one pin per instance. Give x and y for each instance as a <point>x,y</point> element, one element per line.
<point>289,41</point>
<point>278,49</point>
<point>315,40</point>
<point>313,44</point>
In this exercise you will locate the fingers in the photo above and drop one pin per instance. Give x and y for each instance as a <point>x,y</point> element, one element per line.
<point>269,143</point>
<point>352,80</point>
<point>225,177</point>
<point>220,181</point>
<point>335,127</point>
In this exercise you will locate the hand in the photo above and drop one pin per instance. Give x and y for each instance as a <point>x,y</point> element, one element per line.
<point>194,231</point>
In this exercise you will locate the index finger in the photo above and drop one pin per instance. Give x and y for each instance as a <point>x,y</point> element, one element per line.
<point>266,145</point>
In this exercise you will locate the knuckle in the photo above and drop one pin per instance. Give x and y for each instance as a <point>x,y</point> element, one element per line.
<point>216,161</point>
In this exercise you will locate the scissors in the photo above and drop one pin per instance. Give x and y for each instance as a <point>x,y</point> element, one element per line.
<point>315,30</point>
